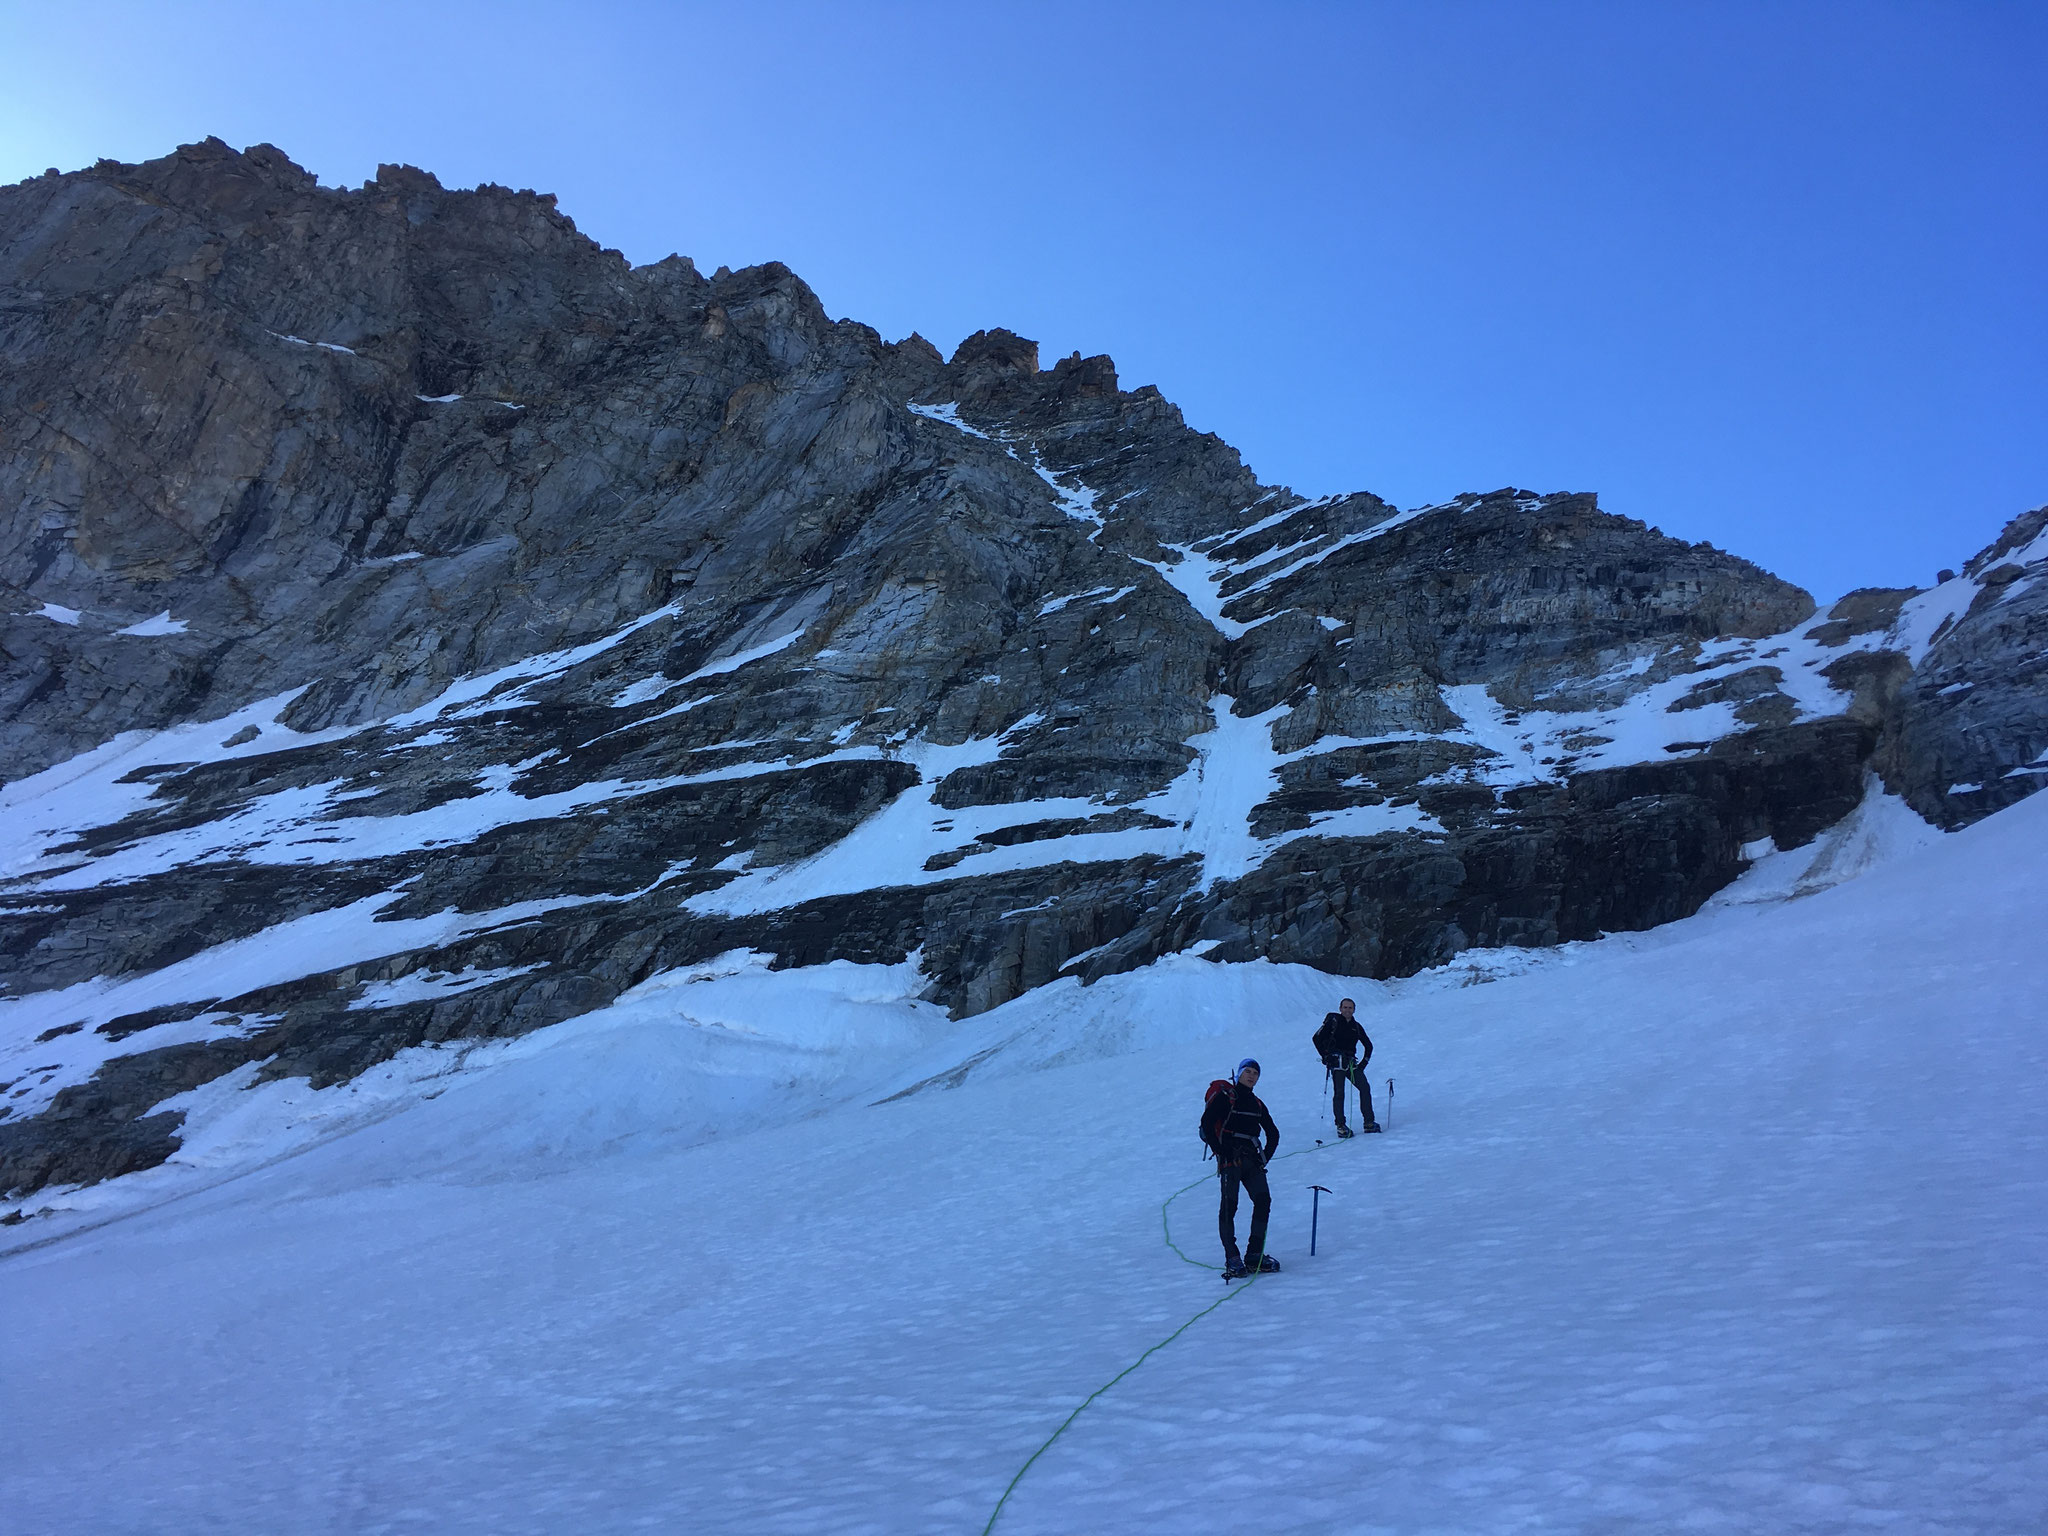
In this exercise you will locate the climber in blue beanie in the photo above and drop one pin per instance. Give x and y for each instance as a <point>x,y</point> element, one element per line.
<point>1233,1121</point>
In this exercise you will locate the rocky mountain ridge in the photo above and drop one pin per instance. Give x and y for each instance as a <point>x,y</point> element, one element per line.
<point>422,626</point>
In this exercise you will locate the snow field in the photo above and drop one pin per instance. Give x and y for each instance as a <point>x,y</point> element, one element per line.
<point>1732,1226</point>
<point>162,624</point>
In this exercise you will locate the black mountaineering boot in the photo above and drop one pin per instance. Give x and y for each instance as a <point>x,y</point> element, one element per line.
<point>1371,1130</point>
<point>1234,1270</point>
<point>1344,1132</point>
<point>1266,1265</point>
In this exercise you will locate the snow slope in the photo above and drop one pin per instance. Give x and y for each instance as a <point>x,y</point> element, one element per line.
<point>1736,1225</point>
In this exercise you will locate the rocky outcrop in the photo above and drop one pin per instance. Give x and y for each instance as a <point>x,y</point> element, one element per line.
<point>1972,735</point>
<point>423,626</point>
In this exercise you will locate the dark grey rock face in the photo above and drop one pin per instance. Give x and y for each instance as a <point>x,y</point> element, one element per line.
<point>1972,735</point>
<point>460,627</point>
<point>1511,590</point>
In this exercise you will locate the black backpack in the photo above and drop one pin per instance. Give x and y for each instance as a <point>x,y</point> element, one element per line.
<point>1325,1039</point>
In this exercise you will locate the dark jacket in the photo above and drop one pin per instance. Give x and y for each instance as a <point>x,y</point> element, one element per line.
<point>1338,1038</point>
<point>1232,1123</point>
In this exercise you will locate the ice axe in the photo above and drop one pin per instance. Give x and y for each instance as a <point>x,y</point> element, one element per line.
<point>1315,1212</point>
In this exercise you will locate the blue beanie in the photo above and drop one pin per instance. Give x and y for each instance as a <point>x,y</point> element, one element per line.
<point>1247,1062</point>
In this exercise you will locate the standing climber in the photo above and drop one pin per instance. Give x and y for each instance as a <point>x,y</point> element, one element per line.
<point>1336,1042</point>
<point>1232,1123</point>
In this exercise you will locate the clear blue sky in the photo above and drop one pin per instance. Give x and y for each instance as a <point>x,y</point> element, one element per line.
<point>1770,276</point>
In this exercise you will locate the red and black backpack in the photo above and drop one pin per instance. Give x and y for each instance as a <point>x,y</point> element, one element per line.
<point>1224,1086</point>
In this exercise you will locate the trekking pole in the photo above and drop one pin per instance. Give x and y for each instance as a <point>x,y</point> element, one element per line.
<point>1390,1103</point>
<point>1315,1211</point>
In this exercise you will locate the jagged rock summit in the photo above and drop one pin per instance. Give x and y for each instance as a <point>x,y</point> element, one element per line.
<point>422,625</point>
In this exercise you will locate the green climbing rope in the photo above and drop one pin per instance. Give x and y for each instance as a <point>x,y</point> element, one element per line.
<point>1166,1226</point>
<point>1238,1290</point>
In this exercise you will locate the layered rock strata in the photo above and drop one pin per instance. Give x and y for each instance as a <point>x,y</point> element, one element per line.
<point>422,625</point>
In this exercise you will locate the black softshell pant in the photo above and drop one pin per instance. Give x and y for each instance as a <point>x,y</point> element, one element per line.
<point>1252,1176</point>
<point>1354,1075</point>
